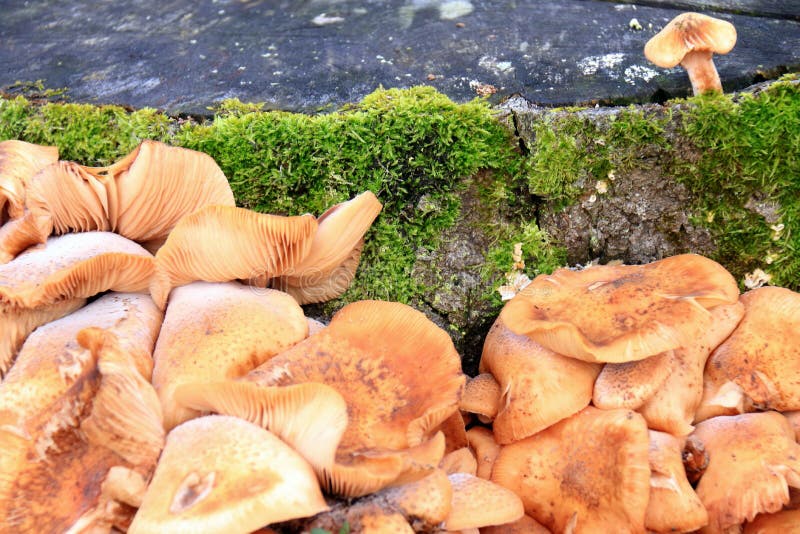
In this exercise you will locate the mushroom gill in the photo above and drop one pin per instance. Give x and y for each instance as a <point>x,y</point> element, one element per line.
<point>19,161</point>
<point>620,313</point>
<point>222,243</point>
<point>213,332</point>
<point>335,251</point>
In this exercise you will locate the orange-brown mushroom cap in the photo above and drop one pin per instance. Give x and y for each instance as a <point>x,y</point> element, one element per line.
<point>783,522</point>
<point>222,243</point>
<point>524,525</point>
<point>460,461</point>
<point>70,412</point>
<point>223,474</point>
<point>691,39</point>
<point>672,408</point>
<point>398,372</point>
<point>213,332</point>
<point>762,356</point>
<point>479,503</point>
<point>481,396</point>
<point>631,384</point>
<point>335,251</point>
<point>19,161</point>
<point>481,440</point>
<point>753,459</point>
<point>673,504</point>
<point>538,387</point>
<point>18,234</point>
<point>589,472</point>
<point>620,313</point>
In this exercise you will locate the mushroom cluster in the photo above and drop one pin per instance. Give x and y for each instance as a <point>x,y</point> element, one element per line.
<point>159,375</point>
<point>643,398</point>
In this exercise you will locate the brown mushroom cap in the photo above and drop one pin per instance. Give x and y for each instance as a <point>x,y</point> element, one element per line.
<point>19,161</point>
<point>455,432</point>
<point>481,440</point>
<point>83,408</point>
<point>460,461</point>
<point>631,384</point>
<point>620,313</point>
<point>479,503</point>
<point>213,332</point>
<point>222,243</point>
<point>224,474</point>
<point>753,459</point>
<point>524,525</point>
<point>672,408</point>
<point>686,33</point>
<point>673,504</point>
<point>589,472</point>
<point>332,261</point>
<point>762,356</point>
<point>481,396</point>
<point>539,387</point>
<point>783,522</point>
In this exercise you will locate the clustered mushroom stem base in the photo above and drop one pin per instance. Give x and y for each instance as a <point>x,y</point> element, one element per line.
<point>702,72</point>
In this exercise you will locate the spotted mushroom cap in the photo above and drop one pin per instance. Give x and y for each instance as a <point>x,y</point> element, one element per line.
<point>223,474</point>
<point>620,313</point>
<point>686,33</point>
<point>479,503</point>
<point>538,387</point>
<point>214,331</point>
<point>589,472</point>
<point>753,459</point>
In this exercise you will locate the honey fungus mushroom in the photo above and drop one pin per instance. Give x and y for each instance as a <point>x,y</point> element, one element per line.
<point>753,460</point>
<point>691,39</point>
<point>620,313</point>
<point>223,474</point>
<point>19,161</point>
<point>216,331</point>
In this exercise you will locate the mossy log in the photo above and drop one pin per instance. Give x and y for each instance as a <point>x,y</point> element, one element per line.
<point>462,184</point>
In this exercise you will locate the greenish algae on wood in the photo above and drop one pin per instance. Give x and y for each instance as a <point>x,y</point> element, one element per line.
<point>421,154</point>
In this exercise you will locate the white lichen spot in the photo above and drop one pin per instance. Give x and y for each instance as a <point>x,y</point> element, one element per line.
<point>592,199</point>
<point>777,230</point>
<point>593,64</point>
<point>601,186</point>
<point>612,176</point>
<point>756,279</point>
<point>323,19</point>
<point>638,72</point>
<point>635,25</point>
<point>517,281</point>
<point>770,258</point>
<point>498,67</point>
<point>454,9</point>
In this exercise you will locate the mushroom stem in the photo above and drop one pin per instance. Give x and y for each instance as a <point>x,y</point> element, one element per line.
<point>702,72</point>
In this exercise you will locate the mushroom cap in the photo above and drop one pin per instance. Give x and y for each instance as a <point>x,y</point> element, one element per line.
<point>481,396</point>
<point>223,243</point>
<point>524,525</point>
<point>224,474</point>
<point>16,323</point>
<point>672,408</point>
<point>479,503</point>
<point>216,331</point>
<point>19,161</point>
<point>539,387</point>
<point>74,266</point>
<point>335,250</point>
<point>620,313</point>
<point>689,32</point>
<point>762,356</point>
<point>481,440</point>
<point>455,432</point>
<point>753,458</point>
<point>460,461</point>
<point>589,472</point>
<point>83,408</point>
<point>631,384</point>
<point>673,504</point>
<point>785,522</point>
<point>794,419</point>
<point>18,234</point>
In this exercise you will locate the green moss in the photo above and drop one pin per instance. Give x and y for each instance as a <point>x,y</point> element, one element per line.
<point>748,152</point>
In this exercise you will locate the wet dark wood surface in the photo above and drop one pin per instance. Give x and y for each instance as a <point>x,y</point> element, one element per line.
<point>185,56</point>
